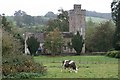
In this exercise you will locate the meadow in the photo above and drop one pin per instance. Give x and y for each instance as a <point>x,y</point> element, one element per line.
<point>89,66</point>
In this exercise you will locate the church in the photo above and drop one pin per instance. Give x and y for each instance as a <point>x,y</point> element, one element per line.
<point>76,23</point>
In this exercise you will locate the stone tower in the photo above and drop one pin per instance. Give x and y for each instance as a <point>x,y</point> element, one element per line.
<point>77,21</point>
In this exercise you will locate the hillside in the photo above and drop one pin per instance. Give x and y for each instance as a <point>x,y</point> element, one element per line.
<point>95,16</point>
<point>95,19</point>
<point>88,13</point>
<point>42,20</point>
<point>99,15</point>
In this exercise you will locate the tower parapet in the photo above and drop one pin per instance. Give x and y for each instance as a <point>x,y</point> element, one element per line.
<point>77,6</point>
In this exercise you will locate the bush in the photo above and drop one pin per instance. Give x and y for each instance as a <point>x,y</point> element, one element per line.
<point>33,45</point>
<point>77,42</point>
<point>13,61</point>
<point>16,66</point>
<point>115,54</point>
<point>23,75</point>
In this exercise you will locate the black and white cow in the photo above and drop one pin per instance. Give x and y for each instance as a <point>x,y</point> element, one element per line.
<point>70,65</point>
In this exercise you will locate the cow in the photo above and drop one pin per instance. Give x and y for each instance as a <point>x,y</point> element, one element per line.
<point>69,64</point>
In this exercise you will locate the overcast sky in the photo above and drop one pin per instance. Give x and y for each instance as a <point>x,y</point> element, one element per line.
<point>41,7</point>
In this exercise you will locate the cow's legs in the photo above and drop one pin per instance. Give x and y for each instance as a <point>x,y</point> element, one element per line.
<point>75,71</point>
<point>70,70</point>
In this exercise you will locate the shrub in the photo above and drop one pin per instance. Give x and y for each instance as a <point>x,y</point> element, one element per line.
<point>13,61</point>
<point>33,45</point>
<point>115,54</point>
<point>20,63</point>
<point>23,75</point>
<point>77,42</point>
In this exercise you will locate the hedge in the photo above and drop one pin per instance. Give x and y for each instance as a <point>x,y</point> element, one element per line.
<point>115,54</point>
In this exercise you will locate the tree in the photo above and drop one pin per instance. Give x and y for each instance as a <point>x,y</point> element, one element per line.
<point>18,17</point>
<point>90,23</point>
<point>33,45</point>
<point>103,37</point>
<point>115,7</point>
<point>50,15</point>
<point>61,22</point>
<point>99,39</point>
<point>28,20</point>
<point>13,60</point>
<point>90,29</point>
<point>89,38</point>
<point>5,23</point>
<point>63,18</point>
<point>54,41</point>
<point>77,43</point>
<point>8,26</point>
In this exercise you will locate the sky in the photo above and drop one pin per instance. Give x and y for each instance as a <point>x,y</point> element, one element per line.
<point>41,7</point>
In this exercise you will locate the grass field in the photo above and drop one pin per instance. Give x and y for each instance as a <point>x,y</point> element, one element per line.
<point>89,66</point>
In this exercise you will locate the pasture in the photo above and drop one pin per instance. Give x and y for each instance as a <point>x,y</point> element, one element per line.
<point>89,66</point>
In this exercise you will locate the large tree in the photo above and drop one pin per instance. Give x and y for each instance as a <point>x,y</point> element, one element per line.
<point>103,37</point>
<point>54,41</point>
<point>100,37</point>
<point>115,7</point>
<point>18,17</point>
<point>22,19</point>
<point>61,22</point>
<point>77,42</point>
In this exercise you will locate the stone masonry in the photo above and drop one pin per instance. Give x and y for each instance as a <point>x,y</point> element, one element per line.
<point>77,21</point>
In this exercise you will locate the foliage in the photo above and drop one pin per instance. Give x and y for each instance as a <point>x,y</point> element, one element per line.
<point>99,39</point>
<point>61,22</point>
<point>50,15</point>
<point>54,41</point>
<point>9,27</point>
<point>33,45</point>
<point>77,43</point>
<point>115,7</point>
<point>5,24</point>
<point>18,17</point>
<point>23,75</point>
<point>88,39</point>
<point>90,30</point>
<point>23,19</point>
<point>13,61</point>
<point>9,43</point>
<point>90,22</point>
<point>115,54</point>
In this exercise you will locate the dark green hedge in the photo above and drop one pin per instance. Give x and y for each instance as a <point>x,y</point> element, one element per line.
<point>115,54</point>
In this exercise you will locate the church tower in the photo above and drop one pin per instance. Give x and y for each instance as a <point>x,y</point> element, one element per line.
<point>77,21</point>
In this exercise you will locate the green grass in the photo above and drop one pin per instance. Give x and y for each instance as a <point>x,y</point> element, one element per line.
<point>89,67</point>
